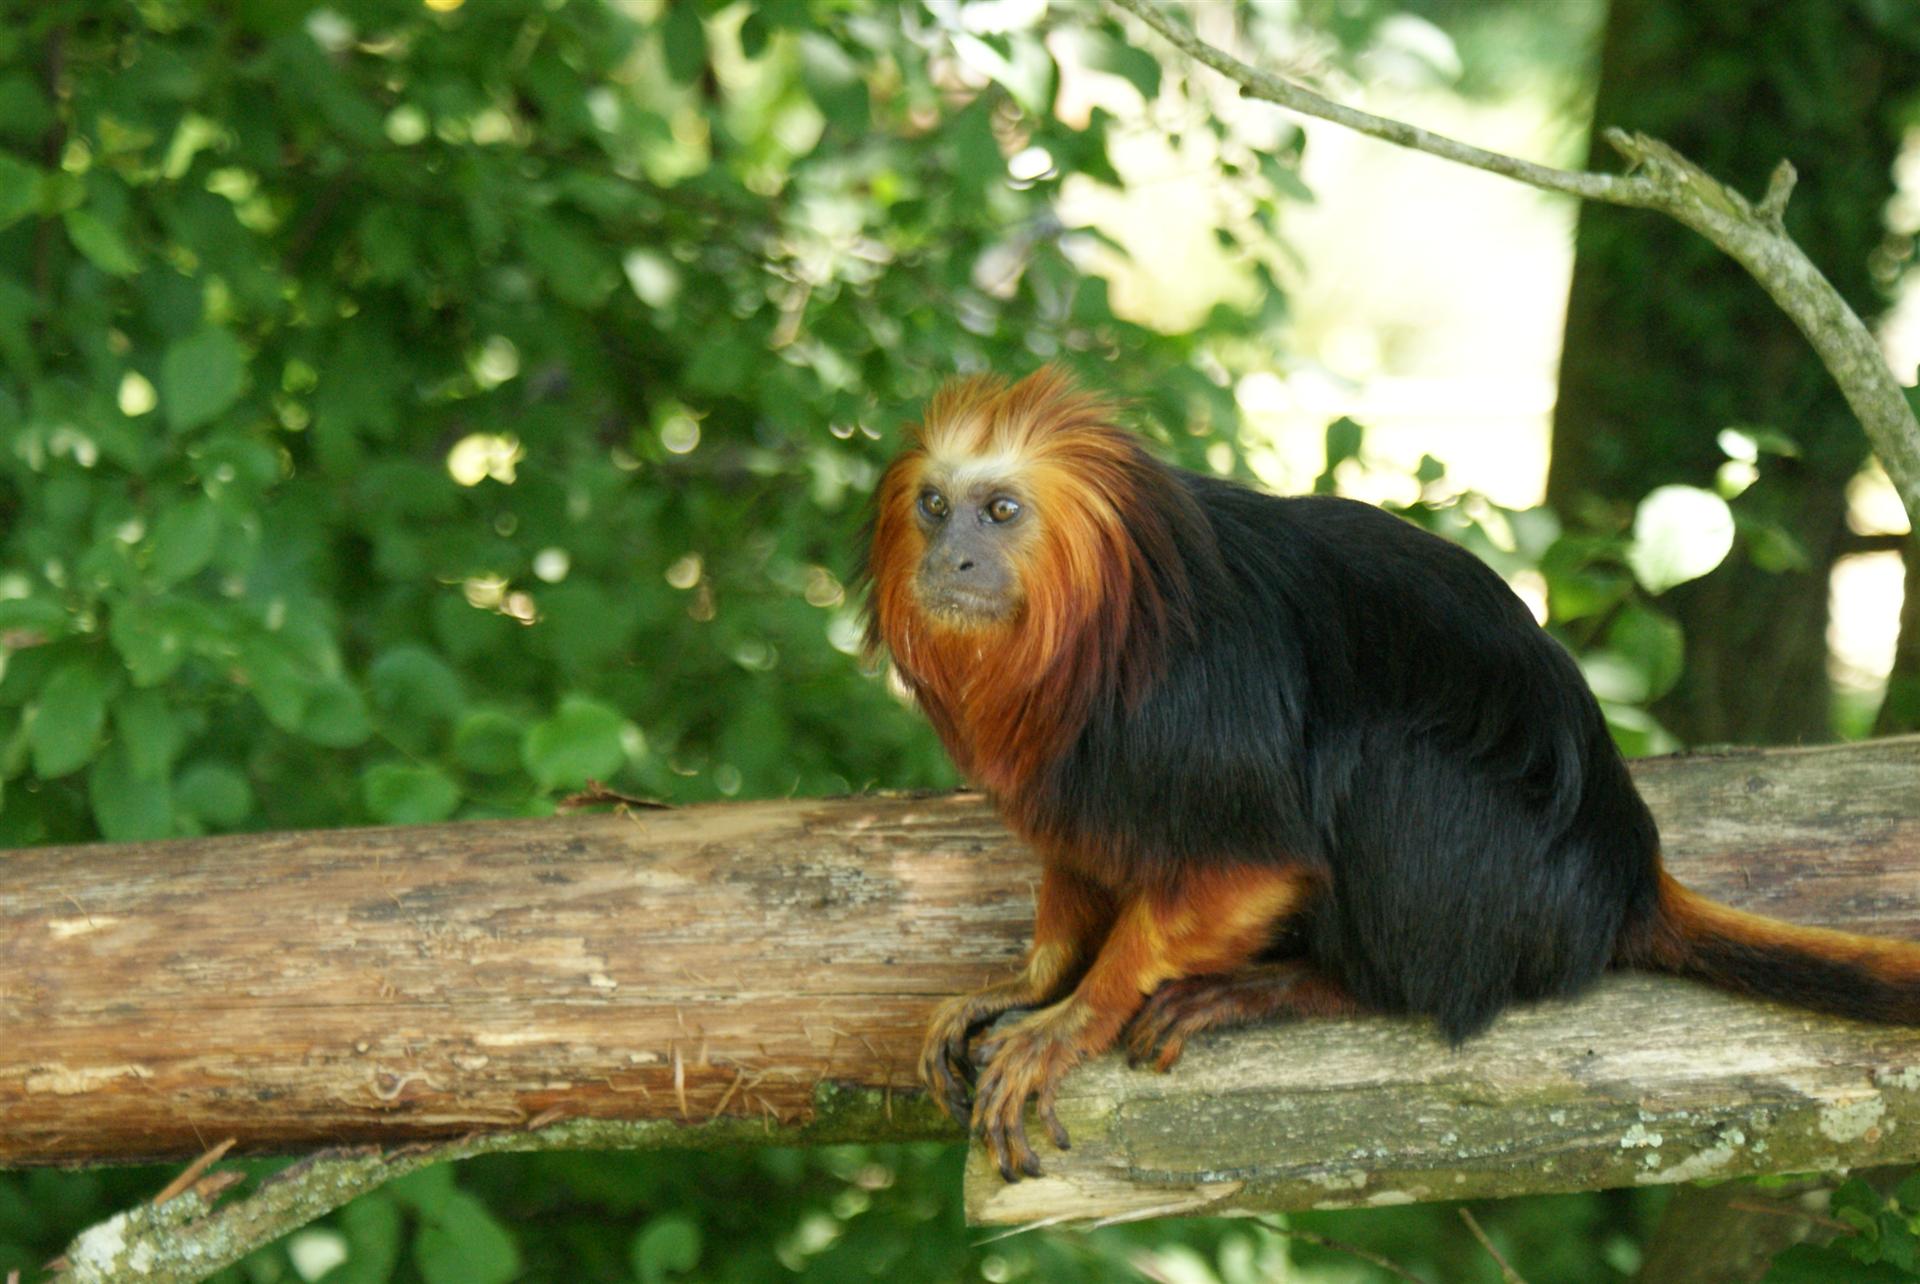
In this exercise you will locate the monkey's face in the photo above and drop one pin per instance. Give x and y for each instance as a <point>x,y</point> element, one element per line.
<point>976,527</point>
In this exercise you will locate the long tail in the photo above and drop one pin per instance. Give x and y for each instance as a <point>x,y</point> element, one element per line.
<point>1869,978</point>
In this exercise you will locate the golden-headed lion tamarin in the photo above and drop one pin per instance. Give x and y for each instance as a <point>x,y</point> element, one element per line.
<point>1279,756</point>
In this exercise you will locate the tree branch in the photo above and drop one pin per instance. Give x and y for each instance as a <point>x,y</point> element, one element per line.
<point>1659,178</point>
<point>185,1236</point>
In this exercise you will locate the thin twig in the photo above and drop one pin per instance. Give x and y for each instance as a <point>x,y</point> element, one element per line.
<point>599,795</point>
<point>191,1173</point>
<point>1507,1272</point>
<point>1256,83</point>
<point>1789,1210</point>
<point>1328,1242</point>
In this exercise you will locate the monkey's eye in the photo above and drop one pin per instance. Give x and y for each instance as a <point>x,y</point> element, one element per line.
<point>1002,509</point>
<point>934,505</point>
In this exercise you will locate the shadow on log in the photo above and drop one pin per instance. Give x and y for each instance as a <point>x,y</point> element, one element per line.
<point>760,972</point>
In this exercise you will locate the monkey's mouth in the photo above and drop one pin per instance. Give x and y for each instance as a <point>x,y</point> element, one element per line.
<point>952,604</point>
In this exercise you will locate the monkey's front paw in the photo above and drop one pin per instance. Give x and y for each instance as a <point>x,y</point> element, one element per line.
<point>945,1064</point>
<point>1028,1060</point>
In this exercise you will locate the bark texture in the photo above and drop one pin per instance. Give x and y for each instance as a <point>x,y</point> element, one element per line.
<point>735,963</point>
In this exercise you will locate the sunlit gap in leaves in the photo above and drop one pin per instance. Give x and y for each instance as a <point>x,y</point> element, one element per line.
<point>478,456</point>
<point>495,593</point>
<point>1867,590</point>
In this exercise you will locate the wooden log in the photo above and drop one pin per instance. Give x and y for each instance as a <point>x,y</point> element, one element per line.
<point>761,971</point>
<point>739,967</point>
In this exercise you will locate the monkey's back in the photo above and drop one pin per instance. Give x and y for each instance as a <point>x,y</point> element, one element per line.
<point>1373,701</point>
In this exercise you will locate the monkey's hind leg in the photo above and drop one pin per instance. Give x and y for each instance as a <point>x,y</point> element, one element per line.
<point>1181,1009</point>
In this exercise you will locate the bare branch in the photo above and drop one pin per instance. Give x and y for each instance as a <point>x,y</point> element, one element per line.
<point>1658,178</point>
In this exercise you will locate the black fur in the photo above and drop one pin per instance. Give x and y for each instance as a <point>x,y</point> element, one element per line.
<point>1365,697</point>
<point>1776,970</point>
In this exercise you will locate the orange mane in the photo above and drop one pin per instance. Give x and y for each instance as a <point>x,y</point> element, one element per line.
<point>1105,584</point>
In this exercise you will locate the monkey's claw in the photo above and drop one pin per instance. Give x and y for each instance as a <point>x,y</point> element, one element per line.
<point>947,1061</point>
<point>944,1064</point>
<point>1174,1013</point>
<point>1026,1061</point>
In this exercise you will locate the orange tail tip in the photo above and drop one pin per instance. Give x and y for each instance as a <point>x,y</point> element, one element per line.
<point>1869,978</point>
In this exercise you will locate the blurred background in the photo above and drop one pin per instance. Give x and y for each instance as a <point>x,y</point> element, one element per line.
<point>412,410</point>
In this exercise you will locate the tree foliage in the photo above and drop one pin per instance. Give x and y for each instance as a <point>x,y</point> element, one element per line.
<point>417,411</point>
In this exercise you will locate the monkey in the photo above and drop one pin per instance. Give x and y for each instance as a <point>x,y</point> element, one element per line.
<point>1280,757</point>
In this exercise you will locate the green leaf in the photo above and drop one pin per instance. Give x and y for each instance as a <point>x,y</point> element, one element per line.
<point>1773,547</point>
<point>279,684</point>
<point>1025,70</point>
<point>402,794</point>
<point>574,266</point>
<point>580,742</point>
<point>411,682</point>
<point>372,1226</point>
<point>128,806</point>
<point>183,541</point>
<point>667,1246</point>
<point>150,639</point>
<point>1635,731</point>
<point>683,39</point>
<point>1140,68</point>
<point>425,1191</point>
<point>465,1245</point>
<point>1653,643</point>
<point>67,720</point>
<point>584,626</point>
<point>104,247</point>
<point>1679,533</point>
<point>38,615</point>
<point>1344,439</point>
<point>336,715</point>
<point>19,189</point>
<point>488,741</point>
<point>25,114</point>
<point>754,35</point>
<point>1285,179</point>
<point>200,377</point>
<point>723,365</point>
<point>216,793</point>
<point>150,732</point>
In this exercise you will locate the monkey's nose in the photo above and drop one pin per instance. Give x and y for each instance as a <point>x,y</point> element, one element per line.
<point>966,564</point>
